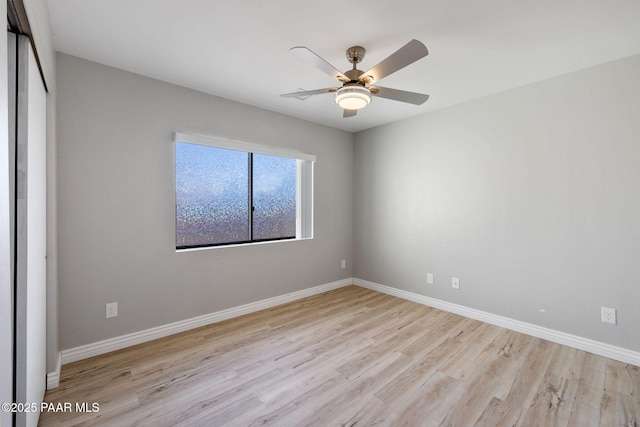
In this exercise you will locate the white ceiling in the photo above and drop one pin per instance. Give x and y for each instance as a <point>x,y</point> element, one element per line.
<point>239,49</point>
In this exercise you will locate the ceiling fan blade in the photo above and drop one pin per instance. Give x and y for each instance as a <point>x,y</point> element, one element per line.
<point>399,95</point>
<point>305,93</point>
<point>349,113</point>
<point>407,54</point>
<point>318,62</point>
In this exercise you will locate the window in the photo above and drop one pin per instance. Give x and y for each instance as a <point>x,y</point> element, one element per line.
<point>234,193</point>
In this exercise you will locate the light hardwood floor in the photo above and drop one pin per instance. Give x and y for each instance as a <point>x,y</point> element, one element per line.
<point>349,357</point>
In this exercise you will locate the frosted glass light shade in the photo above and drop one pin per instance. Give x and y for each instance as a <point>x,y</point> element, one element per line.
<point>353,97</point>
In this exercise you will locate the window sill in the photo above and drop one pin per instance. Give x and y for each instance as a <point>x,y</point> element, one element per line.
<point>239,245</point>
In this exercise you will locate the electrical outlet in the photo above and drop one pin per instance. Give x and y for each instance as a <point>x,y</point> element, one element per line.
<point>455,283</point>
<point>429,278</point>
<point>608,315</point>
<point>112,310</point>
<point>344,263</point>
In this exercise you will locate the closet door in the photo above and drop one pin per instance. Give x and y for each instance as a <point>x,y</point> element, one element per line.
<point>30,251</point>
<point>7,225</point>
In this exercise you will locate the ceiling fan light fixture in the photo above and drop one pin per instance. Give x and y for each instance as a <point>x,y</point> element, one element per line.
<point>353,97</point>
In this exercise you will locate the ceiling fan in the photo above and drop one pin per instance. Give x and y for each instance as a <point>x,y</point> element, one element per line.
<point>356,90</point>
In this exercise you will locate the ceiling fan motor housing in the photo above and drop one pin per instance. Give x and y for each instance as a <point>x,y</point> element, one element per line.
<point>353,75</point>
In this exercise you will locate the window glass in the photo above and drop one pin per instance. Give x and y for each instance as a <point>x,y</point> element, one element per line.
<point>212,194</point>
<point>274,197</point>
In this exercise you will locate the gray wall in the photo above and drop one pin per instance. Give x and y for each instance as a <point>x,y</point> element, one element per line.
<point>116,205</point>
<point>529,196</point>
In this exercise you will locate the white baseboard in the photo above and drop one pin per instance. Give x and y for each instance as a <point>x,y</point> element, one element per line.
<point>117,343</point>
<point>580,343</point>
<point>53,378</point>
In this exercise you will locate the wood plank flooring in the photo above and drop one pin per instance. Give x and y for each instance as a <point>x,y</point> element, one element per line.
<point>344,358</point>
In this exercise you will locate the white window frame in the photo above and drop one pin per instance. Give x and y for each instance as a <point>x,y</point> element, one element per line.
<point>304,181</point>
